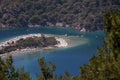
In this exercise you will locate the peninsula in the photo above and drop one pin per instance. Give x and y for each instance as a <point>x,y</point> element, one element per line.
<point>29,43</point>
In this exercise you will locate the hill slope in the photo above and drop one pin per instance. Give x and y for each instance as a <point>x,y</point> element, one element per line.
<point>77,14</point>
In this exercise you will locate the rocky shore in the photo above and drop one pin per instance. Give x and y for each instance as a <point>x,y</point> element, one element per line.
<point>62,44</point>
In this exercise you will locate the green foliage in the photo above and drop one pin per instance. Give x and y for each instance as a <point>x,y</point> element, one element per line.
<point>8,71</point>
<point>66,76</point>
<point>47,70</point>
<point>34,19</point>
<point>24,75</point>
<point>75,13</point>
<point>31,42</point>
<point>106,65</point>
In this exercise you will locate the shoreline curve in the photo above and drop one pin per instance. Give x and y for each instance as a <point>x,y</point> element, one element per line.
<point>62,43</point>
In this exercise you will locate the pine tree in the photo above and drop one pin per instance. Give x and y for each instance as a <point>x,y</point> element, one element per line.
<point>9,72</point>
<point>106,66</point>
<point>47,70</point>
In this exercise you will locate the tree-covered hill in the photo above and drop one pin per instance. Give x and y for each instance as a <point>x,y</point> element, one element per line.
<point>105,66</point>
<point>77,14</point>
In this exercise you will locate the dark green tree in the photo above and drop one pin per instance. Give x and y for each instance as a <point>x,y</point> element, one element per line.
<point>8,71</point>
<point>34,19</point>
<point>106,66</point>
<point>47,70</point>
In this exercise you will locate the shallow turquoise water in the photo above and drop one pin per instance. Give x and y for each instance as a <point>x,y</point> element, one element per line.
<point>68,59</point>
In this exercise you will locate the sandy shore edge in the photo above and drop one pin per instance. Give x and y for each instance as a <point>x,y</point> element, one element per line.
<point>62,43</point>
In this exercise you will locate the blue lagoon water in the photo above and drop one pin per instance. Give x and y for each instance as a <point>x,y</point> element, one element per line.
<point>68,59</point>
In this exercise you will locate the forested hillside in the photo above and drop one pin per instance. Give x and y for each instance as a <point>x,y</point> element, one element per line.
<point>78,14</point>
<point>104,66</point>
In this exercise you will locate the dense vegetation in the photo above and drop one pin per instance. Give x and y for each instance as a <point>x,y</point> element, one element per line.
<point>8,71</point>
<point>78,14</point>
<point>105,66</point>
<point>29,42</point>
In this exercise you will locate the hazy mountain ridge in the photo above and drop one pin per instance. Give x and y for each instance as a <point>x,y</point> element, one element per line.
<point>79,14</point>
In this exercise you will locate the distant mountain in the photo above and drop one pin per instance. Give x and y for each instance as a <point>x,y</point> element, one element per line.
<point>79,14</point>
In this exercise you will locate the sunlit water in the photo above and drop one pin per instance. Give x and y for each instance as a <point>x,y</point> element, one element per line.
<point>82,46</point>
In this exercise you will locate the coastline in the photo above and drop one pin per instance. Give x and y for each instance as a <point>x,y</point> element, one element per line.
<point>62,43</point>
<point>75,28</point>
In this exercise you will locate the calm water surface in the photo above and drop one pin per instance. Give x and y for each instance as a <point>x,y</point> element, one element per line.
<point>68,59</point>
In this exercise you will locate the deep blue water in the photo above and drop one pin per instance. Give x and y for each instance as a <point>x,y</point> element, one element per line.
<point>69,59</point>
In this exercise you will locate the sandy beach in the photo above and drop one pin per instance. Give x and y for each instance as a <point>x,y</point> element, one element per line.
<point>62,43</point>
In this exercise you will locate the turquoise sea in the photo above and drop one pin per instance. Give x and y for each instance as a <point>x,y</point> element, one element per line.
<point>83,47</point>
